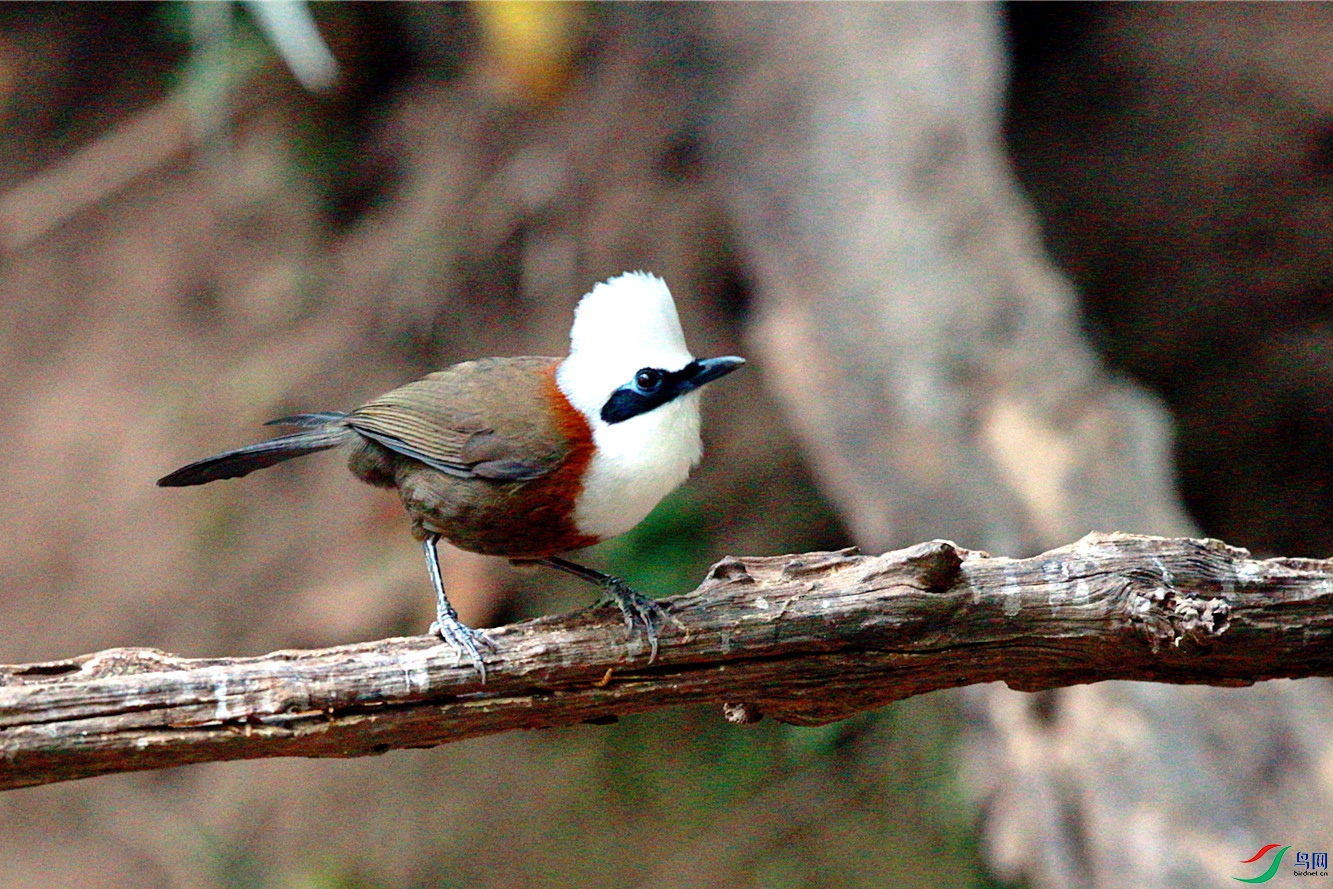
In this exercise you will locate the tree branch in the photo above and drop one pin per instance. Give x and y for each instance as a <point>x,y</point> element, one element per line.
<point>807,639</point>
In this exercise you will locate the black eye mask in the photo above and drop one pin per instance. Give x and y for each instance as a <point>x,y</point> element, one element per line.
<point>653,387</point>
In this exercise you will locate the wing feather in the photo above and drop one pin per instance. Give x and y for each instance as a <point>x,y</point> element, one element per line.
<point>438,420</point>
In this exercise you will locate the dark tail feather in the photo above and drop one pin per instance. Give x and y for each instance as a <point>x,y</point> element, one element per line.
<point>243,461</point>
<point>309,421</point>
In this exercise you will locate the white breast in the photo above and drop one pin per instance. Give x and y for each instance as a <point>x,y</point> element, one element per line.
<point>636,464</point>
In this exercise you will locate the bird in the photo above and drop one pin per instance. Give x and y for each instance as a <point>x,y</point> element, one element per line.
<point>525,457</point>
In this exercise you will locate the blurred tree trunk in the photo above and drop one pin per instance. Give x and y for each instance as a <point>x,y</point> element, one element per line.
<point>930,359</point>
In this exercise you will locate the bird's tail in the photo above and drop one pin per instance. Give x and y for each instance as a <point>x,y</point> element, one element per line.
<point>319,432</point>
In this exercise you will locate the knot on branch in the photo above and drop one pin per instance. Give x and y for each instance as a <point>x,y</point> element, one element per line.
<point>1169,614</point>
<point>779,569</point>
<point>741,713</point>
<point>729,570</point>
<point>933,565</point>
<point>112,662</point>
<point>1197,619</point>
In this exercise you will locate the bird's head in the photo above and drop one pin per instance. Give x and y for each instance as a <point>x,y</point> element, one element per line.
<point>627,353</point>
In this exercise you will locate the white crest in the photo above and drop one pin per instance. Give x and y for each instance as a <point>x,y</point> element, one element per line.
<point>624,324</point>
<point>627,323</point>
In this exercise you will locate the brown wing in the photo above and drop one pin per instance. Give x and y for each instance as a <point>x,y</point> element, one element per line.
<point>490,418</point>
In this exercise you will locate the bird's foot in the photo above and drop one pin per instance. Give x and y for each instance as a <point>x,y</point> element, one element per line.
<point>467,642</point>
<point>635,607</point>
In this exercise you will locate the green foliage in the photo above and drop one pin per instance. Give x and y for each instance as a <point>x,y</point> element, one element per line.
<point>870,801</point>
<point>333,876</point>
<point>668,552</point>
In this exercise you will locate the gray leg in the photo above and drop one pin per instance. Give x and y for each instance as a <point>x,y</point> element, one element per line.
<point>634,606</point>
<point>464,639</point>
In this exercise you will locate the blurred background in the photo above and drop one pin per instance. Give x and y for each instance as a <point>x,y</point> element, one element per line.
<point>1004,274</point>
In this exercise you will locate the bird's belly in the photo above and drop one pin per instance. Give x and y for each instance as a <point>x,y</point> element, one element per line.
<point>530,519</point>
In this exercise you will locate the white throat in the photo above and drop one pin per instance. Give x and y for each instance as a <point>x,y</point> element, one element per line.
<point>623,325</point>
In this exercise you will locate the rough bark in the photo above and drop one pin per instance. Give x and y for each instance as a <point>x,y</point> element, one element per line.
<point>805,638</point>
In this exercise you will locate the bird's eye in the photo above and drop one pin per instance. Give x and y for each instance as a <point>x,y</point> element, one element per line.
<point>648,379</point>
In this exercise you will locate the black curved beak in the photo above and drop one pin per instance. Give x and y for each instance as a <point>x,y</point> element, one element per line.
<point>706,370</point>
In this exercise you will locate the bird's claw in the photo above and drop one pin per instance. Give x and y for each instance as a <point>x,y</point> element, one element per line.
<point>634,607</point>
<point>467,642</point>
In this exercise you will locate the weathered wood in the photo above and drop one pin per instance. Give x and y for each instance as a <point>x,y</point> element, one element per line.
<point>804,638</point>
